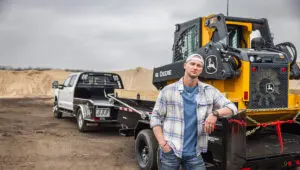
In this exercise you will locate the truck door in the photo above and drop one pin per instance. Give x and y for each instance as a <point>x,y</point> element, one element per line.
<point>62,94</point>
<point>70,92</point>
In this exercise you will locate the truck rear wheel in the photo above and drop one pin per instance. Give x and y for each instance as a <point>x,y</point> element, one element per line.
<point>146,150</point>
<point>81,123</point>
<point>56,113</point>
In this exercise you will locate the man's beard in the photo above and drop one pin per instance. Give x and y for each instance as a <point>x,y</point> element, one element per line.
<point>192,76</point>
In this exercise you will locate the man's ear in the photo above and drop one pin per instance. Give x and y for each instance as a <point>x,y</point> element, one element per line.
<point>184,65</point>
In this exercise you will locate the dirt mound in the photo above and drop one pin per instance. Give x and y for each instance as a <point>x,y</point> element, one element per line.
<point>137,79</point>
<point>295,86</point>
<point>33,83</point>
<point>29,83</point>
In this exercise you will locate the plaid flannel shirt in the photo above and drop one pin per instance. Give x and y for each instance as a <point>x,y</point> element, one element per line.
<point>168,113</point>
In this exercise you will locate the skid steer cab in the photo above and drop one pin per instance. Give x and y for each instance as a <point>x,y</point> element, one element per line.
<point>242,61</point>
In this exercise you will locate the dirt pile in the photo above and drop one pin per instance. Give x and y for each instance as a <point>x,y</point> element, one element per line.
<point>137,79</point>
<point>295,86</point>
<point>33,83</point>
<point>29,83</point>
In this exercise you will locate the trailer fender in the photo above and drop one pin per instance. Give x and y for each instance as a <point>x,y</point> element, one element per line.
<point>86,113</point>
<point>141,125</point>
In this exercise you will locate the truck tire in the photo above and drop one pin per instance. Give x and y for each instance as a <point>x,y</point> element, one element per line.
<point>146,150</point>
<point>56,113</point>
<point>81,123</point>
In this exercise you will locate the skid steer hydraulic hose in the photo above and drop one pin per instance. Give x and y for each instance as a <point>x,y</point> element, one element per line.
<point>291,48</point>
<point>234,55</point>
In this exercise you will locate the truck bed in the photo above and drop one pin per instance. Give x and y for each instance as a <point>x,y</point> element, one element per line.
<point>97,102</point>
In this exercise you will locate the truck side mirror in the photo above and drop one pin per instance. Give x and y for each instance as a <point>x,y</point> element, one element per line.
<point>55,84</point>
<point>61,86</point>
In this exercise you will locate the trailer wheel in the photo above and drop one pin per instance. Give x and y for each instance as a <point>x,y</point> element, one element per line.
<point>146,150</point>
<point>56,113</point>
<point>81,123</point>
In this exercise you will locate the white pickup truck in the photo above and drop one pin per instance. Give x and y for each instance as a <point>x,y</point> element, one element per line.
<point>83,96</point>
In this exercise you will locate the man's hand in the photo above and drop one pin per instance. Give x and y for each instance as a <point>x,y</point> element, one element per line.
<point>210,123</point>
<point>161,140</point>
<point>165,147</point>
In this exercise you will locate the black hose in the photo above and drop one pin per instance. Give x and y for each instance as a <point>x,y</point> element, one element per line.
<point>293,52</point>
<point>232,61</point>
<point>235,65</point>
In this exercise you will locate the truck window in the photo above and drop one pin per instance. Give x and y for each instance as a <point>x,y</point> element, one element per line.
<point>88,80</point>
<point>73,78</point>
<point>67,81</point>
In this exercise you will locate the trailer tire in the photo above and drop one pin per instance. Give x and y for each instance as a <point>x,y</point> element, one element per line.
<point>81,123</point>
<point>56,113</point>
<point>146,150</point>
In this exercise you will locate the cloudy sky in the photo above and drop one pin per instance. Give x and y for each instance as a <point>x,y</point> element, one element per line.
<point>107,35</point>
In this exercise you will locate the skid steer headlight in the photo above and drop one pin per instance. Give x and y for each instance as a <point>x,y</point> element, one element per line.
<point>251,59</point>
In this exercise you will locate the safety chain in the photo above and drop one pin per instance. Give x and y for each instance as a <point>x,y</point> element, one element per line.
<point>250,132</point>
<point>296,117</point>
<point>262,110</point>
<point>252,120</point>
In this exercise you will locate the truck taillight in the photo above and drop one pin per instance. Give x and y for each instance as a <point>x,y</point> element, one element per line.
<point>96,118</point>
<point>254,69</point>
<point>297,162</point>
<point>283,69</point>
<point>246,169</point>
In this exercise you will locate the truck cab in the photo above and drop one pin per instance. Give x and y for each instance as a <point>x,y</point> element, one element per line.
<point>65,92</point>
<point>83,96</point>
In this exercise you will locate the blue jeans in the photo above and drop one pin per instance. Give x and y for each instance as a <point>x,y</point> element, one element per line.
<point>169,161</point>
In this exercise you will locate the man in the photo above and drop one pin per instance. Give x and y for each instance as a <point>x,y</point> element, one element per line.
<point>184,114</point>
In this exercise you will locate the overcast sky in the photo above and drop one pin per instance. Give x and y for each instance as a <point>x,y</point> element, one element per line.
<point>106,35</point>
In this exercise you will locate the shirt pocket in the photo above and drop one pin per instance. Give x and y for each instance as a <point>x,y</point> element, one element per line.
<point>170,109</point>
<point>174,109</point>
<point>204,107</point>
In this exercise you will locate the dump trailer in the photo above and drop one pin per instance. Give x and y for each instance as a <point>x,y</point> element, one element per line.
<point>242,61</point>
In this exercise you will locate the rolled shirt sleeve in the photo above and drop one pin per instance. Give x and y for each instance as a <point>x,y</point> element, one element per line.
<point>159,110</point>
<point>220,101</point>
